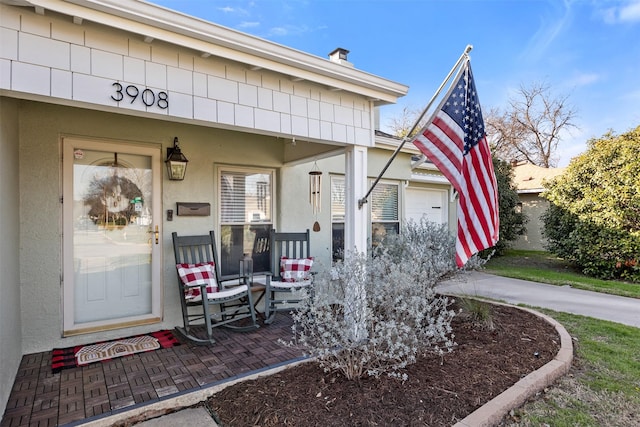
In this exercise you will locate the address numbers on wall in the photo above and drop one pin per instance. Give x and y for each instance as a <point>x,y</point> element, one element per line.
<point>147,96</point>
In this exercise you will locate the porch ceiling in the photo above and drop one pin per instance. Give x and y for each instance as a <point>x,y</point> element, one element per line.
<point>297,152</point>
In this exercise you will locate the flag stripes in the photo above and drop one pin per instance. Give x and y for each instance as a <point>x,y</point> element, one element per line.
<point>454,140</point>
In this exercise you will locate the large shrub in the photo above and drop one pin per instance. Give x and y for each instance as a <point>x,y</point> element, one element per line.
<point>594,217</point>
<point>373,314</point>
<point>512,221</point>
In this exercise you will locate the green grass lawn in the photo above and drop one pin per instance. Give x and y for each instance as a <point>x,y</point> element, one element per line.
<point>603,386</point>
<point>543,267</point>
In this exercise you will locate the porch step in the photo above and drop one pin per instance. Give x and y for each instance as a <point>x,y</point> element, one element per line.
<point>192,417</point>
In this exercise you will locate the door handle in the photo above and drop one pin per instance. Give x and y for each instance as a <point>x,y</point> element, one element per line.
<point>156,233</point>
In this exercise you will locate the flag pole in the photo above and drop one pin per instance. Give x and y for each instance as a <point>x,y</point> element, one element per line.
<point>464,55</point>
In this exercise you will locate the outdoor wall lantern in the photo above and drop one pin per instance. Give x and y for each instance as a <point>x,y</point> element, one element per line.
<point>176,162</point>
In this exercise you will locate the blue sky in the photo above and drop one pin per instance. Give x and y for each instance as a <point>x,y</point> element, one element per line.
<point>586,50</point>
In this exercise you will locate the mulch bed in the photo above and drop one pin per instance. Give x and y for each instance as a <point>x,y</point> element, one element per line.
<point>439,391</point>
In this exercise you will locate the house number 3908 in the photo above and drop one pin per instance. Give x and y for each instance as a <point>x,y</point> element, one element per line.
<point>147,96</point>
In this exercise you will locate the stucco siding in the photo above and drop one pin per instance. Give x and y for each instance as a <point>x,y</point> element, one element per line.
<point>41,129</point>
<point>533,206</point>
<point>10,324</point>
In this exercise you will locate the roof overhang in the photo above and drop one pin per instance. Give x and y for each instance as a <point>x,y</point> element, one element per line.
<point>429,178</point>
<point>530,191</point>
<point>153,22</point>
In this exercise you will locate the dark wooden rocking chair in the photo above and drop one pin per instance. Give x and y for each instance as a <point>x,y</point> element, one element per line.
<point>288,274</point>
<point>199,275</point>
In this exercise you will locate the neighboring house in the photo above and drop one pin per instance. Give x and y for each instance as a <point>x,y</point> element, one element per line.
<point>94,94</point>
<point>529,181</point>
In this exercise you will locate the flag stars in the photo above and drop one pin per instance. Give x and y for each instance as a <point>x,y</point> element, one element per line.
<point>463,107</point>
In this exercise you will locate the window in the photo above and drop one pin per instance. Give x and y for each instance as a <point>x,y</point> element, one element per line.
<point>337,217</point>
<point>383,203</point>
<point>384,212</point>
<point>246,216</point>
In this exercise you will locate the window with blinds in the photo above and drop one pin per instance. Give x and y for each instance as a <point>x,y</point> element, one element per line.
<point>384,212</point>
<point>384,209</point>
<point>337,217</point>
<point>337,199</point>
<point>384,203</point>
<point>245,197</point>
<point>246,216</point>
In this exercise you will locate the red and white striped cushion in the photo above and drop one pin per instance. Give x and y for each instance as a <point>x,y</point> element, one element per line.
<point>195,275</point>
<point>295,269</point>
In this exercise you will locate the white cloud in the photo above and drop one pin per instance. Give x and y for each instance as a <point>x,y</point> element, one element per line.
<point>289,30</point>
<point>583,79</point>
<point>630,12</point>
<point>549,29</point>
<point>627,12</point>
<point>249,25</point>
<point>233,10</point>
<point>278,31</point>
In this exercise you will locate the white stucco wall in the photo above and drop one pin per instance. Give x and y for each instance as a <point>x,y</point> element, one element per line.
<point>41,126</point>
<point>10,324</point>
<point>533,206</point>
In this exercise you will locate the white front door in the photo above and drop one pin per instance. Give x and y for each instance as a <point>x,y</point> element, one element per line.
<point>111,243</point>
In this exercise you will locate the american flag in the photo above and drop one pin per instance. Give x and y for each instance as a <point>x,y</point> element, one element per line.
<point>455,141</point>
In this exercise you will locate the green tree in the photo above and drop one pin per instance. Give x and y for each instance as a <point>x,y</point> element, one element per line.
<point>512,221</point>
<point>594,217</point>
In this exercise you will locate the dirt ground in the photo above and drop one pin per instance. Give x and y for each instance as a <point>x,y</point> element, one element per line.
<point>439,391</point>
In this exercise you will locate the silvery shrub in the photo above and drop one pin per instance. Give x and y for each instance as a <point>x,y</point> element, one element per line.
<point>373,314</point>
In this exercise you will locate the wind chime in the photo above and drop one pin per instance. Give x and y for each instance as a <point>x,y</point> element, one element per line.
<point>315,184</point>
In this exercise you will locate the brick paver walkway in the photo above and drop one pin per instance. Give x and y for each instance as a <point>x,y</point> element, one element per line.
<point>74,396</point>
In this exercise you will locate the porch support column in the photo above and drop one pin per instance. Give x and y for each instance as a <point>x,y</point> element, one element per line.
<point>356,225</point>
<point>355,219</point>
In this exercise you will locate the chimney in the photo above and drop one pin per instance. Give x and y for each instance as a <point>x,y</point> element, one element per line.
<point>339,56</point>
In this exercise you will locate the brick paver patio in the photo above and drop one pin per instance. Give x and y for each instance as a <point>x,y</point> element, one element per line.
<point>77,395</point>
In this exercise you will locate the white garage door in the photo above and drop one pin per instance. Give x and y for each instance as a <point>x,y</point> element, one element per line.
<point>430,203</point>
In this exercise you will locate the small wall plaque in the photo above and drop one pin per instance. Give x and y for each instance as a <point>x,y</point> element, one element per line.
<point>193,209</point>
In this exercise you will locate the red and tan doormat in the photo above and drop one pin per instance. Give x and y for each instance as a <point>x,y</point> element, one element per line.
<point>70,357</point>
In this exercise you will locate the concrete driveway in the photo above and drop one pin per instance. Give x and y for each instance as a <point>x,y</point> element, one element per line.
<point>559,298</point>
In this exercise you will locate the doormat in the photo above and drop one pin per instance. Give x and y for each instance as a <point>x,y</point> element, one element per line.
<point>81,355</point>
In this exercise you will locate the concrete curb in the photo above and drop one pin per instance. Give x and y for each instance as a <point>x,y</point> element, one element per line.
<point>492,412</point>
